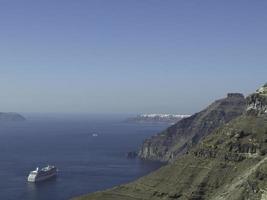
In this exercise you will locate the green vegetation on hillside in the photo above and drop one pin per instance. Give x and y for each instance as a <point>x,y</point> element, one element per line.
<point>228,164</point>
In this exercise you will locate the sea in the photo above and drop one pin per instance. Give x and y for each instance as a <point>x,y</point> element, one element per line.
<point>86,163</point>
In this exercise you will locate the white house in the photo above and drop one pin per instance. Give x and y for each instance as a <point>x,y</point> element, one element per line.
<point>263,89</point>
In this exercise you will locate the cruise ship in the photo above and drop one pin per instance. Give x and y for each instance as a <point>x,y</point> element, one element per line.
<point>42,174</point>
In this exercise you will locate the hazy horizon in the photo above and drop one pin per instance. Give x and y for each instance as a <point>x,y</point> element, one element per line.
<point>129,56</point>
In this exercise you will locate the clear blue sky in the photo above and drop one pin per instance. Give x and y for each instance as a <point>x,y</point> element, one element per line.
<point>129,56</point>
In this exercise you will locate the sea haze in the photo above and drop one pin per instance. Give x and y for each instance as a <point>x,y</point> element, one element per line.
<point>86,164</point>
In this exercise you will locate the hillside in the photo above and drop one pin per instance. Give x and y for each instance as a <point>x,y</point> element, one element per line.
<point>229,164</point>
<point>176,140</point>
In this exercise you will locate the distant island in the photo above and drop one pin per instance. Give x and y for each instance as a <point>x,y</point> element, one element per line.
<point>10,116</point>
<point>156,118</point>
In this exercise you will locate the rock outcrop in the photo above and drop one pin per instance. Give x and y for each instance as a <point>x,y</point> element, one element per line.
<point>131,155</point>
<point>177,139</point>
<point>257,102</point>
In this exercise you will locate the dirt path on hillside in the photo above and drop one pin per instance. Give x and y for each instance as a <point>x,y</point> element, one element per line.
<point>229,189</point>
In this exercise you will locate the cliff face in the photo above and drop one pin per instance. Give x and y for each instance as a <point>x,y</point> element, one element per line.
<point>230,163</point>
<point>257,103</point>
<point>176,140</point>
<point>11,117</point>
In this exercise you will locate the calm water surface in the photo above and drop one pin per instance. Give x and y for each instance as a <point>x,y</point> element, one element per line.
<point>86,164</point>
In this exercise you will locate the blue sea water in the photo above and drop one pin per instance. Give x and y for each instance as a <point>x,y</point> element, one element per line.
<point>86,164</point>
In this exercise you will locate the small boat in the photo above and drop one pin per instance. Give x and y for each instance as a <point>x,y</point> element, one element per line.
<point>42,174</point>
<point>94,134</point>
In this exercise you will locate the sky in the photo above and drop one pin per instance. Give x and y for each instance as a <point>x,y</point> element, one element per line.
<point>129,56</point>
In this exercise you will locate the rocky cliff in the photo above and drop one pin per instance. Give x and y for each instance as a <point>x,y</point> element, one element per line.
<point>230,163</point>
<point>257,102</point>
<point>176,140</point>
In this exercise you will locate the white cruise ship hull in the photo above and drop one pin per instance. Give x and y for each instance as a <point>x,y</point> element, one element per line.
<point>43,174</point>
<point>42,178</point>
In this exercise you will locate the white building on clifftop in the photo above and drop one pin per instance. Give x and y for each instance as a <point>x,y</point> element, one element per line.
<point>263,89</point>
